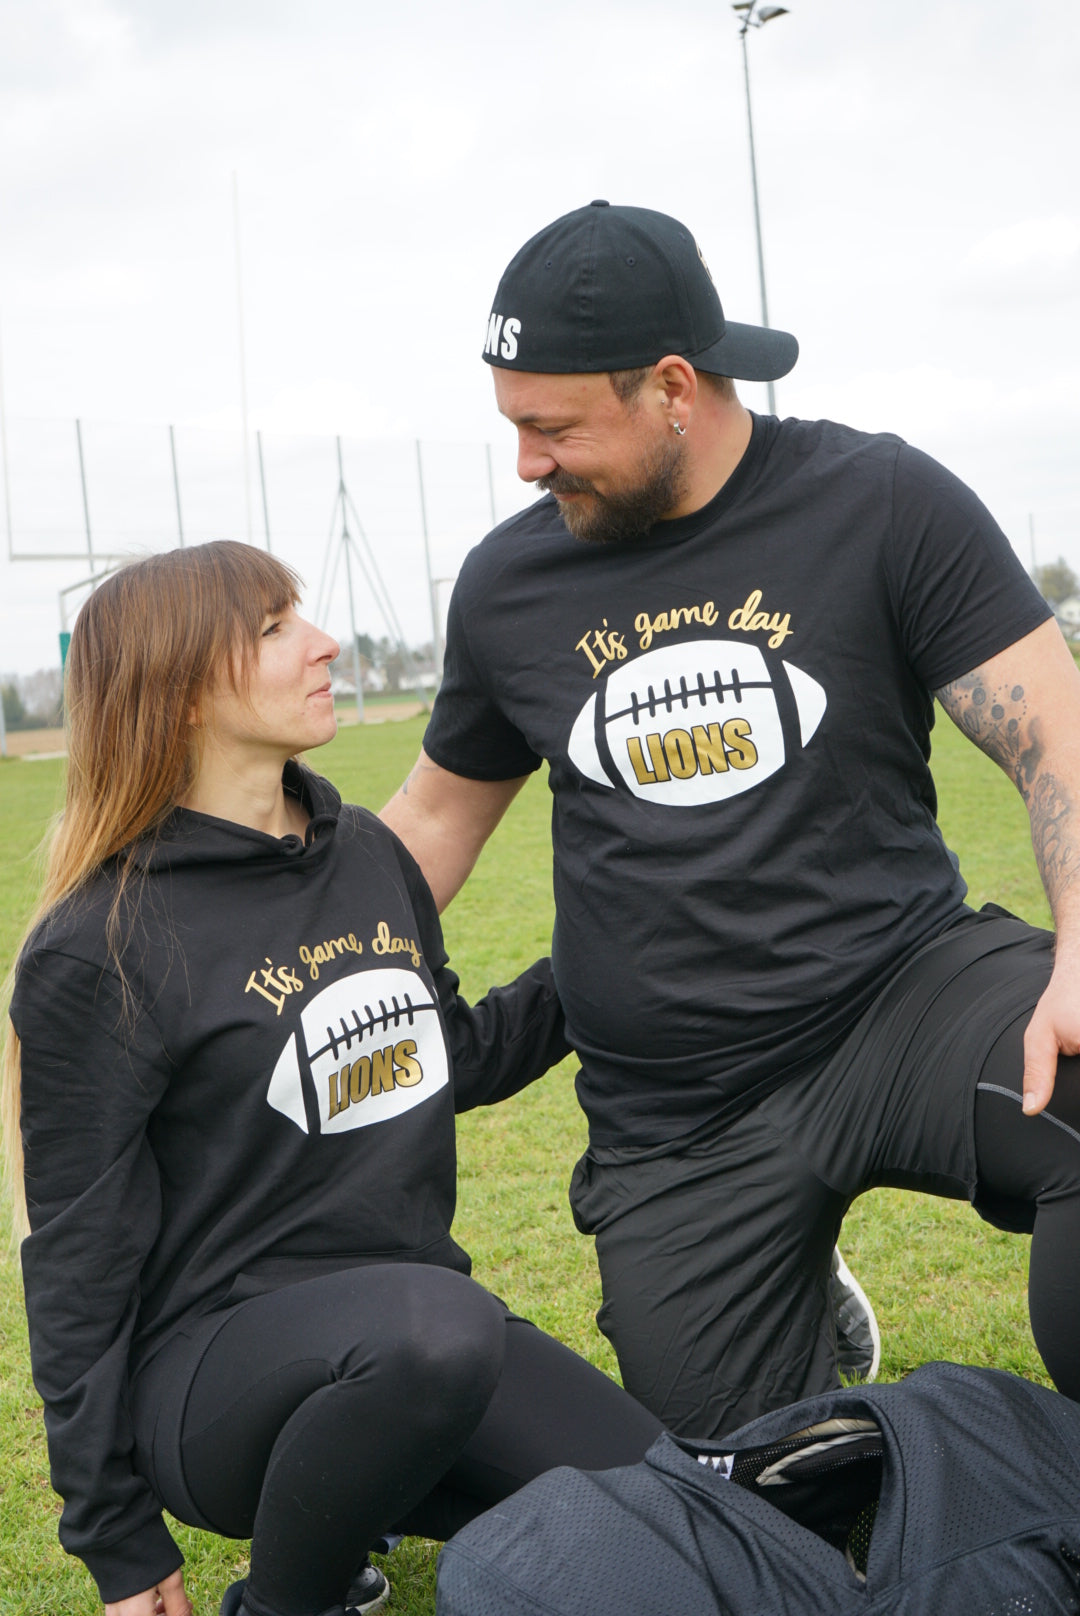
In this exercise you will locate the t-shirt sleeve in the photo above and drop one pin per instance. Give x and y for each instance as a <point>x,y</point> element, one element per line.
<point>93,1068</point>
<point>962,594</point>
<point>468,733</point>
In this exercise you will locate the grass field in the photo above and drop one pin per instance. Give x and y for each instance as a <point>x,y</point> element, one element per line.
<point>944,1284</point>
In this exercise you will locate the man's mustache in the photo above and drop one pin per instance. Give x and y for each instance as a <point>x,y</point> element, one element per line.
<point>564,482</point>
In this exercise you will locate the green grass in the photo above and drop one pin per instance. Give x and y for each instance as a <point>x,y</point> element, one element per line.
<point>944,1284</point>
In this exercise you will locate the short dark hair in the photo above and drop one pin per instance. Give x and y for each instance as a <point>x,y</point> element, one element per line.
<point>627,384</point>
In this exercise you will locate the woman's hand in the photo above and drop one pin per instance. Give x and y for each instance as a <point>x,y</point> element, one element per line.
<point>167,1599</point>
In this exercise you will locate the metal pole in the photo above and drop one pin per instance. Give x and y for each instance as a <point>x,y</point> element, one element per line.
<point>4,460</point>
<point>262,484</point>
<point>176,486</point>
<point>491,485</point>
<point>757,209</point>
<point>243,361</point>
<point>85,501</point>
<point>3,728</point>
<point>436,637</point>
<point>346,544</point>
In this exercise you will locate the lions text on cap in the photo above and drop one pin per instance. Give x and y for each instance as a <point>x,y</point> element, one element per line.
<point>510,329</point>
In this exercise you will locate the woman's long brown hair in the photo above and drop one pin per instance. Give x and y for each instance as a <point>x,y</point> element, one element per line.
<point>146,649</point>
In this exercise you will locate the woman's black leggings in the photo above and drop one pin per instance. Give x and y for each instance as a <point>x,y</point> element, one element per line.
<point>325,1413</point>
<point>1029,1181</point>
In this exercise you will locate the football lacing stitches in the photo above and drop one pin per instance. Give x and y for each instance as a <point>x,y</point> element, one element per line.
<point>701,690</point>
<point>368,1022</point>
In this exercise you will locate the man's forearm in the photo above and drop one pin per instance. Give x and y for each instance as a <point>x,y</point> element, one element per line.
<point>994,712</point>
<point>1023,709</point>
<point>444,820</point>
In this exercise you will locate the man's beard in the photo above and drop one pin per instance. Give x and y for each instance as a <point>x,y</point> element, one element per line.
<point>630,512</point>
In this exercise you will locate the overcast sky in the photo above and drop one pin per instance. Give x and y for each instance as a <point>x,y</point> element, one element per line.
<point>920,205</point>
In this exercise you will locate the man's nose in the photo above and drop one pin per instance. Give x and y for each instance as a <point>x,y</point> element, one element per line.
<point>534,459</point>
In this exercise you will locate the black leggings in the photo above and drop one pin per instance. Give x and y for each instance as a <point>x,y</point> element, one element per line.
<point>396,1396</point>
<point>1029,1181</point>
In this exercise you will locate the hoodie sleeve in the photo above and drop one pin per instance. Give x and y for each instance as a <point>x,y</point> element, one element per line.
<point>512,1036</point>
<point>93,1068</point>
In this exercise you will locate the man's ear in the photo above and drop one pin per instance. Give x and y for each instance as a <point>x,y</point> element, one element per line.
<point>676,382</point>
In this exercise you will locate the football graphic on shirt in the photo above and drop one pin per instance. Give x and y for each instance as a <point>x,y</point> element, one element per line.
<point>373,1045</point>
<point>696,722</point>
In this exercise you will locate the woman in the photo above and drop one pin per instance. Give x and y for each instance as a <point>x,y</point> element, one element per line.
<point>241,1051</point>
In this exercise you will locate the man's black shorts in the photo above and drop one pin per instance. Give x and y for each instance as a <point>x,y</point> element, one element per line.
<point>715,1256</point>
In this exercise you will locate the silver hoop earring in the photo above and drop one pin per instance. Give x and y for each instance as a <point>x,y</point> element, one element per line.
<point>680,429</point>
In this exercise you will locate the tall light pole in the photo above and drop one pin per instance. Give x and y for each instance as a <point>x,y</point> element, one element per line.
<point>755,16</point>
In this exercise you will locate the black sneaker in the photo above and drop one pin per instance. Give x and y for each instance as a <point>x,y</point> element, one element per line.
<point>858,1340</point>
<point>368,1591</point>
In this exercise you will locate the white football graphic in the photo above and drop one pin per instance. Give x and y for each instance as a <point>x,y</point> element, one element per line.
<point>374,1046</point>
<point>692,723</point>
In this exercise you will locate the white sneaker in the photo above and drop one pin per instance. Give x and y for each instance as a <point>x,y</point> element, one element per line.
<point>858,1340</point>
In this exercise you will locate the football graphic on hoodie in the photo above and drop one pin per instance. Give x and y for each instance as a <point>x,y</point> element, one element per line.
<point>373,1044</point>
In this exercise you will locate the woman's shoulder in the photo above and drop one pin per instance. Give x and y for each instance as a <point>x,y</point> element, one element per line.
<point>78,924</point>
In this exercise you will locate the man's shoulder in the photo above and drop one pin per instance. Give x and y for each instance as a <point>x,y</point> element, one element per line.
<point>834,438</point>
<point>538,531</point>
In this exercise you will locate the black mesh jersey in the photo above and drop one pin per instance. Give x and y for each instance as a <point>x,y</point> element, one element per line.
<point>736,710</point>
<point>957,1490</point>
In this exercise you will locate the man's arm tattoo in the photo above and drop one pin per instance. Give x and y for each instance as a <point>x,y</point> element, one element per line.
<point>414,774</point>
<point>998,721</point>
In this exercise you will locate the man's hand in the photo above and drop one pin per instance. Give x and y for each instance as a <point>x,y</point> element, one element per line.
<point>166,1599</point>
<point>1054,1030</point>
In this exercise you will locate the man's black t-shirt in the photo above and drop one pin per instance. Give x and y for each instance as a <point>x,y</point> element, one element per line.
<point>736,710</point>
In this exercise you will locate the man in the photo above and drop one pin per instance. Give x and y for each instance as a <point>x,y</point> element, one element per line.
<point>723,632</point>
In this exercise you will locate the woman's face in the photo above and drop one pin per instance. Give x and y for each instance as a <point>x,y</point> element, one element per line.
<point>287,707</point>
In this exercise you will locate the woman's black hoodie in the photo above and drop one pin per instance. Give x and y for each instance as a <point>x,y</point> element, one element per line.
<point>264,1092</point>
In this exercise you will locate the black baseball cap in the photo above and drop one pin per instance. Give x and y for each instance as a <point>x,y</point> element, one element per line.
<point>612,288</point>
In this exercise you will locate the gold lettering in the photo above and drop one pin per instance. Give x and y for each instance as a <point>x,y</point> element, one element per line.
<point>656,753</point>
<point>323,953</point>
<point>335,1103</point>
<point>664,622</point>
<point>742,753</point>
<point>740,617</point>
<point>709,746</point>
<point>583,645</point>
<point>645,776</point>
<point>359,1080</point>
<point>679,751</point>
<point>276,999</point>
<point>748,617</point>
<point>407,1070</point>
<point>382,1070</point>
<point>383,943</point>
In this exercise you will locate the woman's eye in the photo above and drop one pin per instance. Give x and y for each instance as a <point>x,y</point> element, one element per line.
<point>271,628</point>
